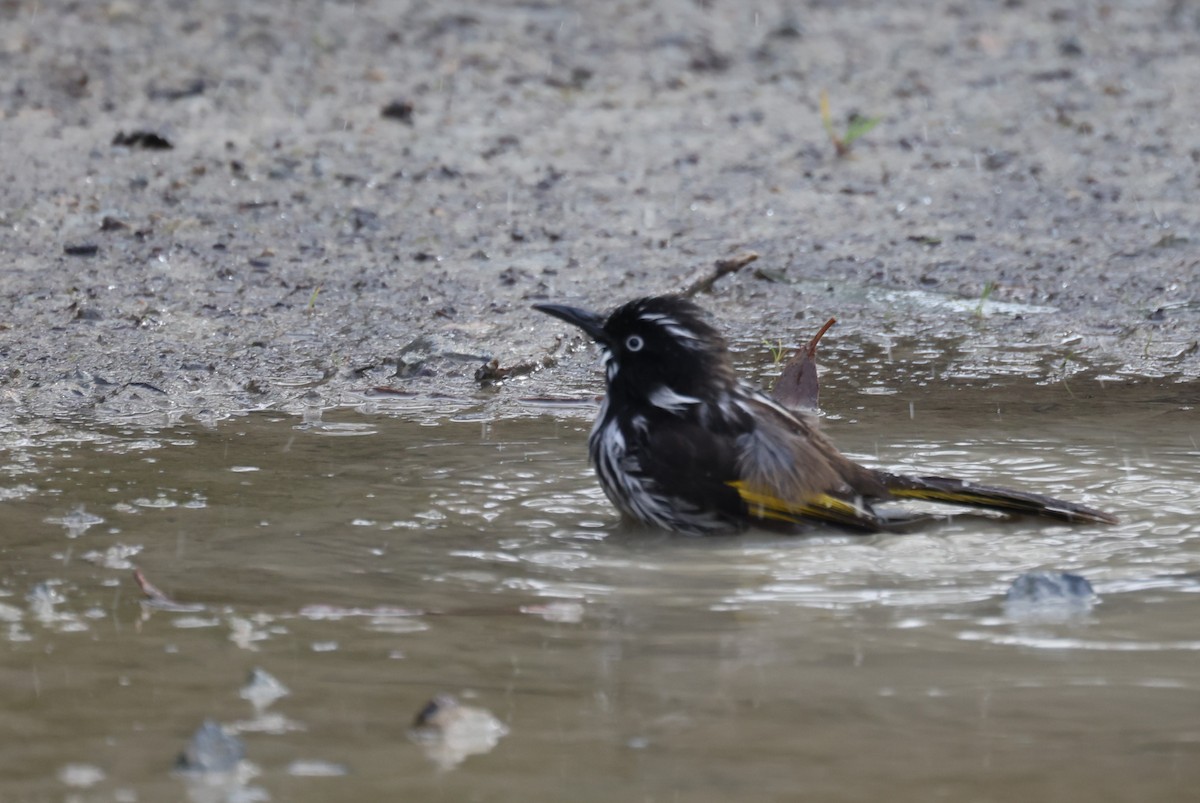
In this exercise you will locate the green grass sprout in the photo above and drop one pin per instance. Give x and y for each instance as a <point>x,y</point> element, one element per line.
<point>856,128</point>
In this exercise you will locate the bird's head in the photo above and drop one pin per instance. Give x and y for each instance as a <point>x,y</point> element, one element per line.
<point>656,347</point>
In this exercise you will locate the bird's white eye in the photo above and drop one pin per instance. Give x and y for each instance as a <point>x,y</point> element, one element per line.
<point>634,343</point>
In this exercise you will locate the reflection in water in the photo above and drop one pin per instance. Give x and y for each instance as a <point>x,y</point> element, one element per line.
<point>371,573</point>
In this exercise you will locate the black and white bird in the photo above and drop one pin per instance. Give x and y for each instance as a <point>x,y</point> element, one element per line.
<point>681,443</point>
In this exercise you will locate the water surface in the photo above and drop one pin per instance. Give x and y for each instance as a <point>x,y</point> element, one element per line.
<point>371,561</point>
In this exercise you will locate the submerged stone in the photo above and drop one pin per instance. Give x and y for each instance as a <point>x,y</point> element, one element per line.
<point>211,750</point>
<point>1050,587</point>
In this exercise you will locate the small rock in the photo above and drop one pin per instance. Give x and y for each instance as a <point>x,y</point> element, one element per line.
<point>211,750</point>
<point>998,159</point>
<point>1049,596</point>
<point>88,314</point>
<point>450,731</point>
<point>398,110</point>
<point>81,249</point>
<point>1040,587</point>
<point>147,140</point>
<point>188,89</point>
<point>1071,46</point>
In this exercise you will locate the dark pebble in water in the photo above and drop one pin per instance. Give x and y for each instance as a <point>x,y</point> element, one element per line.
<point>211,749</point>
<point>1052,587</point>
<point>436,710</point>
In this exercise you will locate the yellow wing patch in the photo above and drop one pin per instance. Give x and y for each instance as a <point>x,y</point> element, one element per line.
<point>819,508</point>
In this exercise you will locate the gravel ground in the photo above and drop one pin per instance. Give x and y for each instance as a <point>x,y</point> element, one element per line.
<point>213,206</point>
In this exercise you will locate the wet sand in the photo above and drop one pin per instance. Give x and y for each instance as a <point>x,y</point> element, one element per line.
<point>372,194</point>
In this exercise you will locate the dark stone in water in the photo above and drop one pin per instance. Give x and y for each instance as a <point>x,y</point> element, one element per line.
<point>1034,588</point>
<point>436,711</point>
<point>211,749</point>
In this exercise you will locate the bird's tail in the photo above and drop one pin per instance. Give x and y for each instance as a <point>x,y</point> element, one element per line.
<point>961,492</point>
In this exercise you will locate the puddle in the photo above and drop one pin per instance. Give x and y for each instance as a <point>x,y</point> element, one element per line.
<point>366,575</point>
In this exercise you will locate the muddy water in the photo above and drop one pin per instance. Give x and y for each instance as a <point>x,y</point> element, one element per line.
<point>371,561</point>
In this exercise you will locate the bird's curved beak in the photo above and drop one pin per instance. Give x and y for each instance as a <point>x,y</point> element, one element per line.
<point>590,322</point>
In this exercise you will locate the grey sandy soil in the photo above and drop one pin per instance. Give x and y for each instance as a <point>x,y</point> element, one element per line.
<point>295,246</point>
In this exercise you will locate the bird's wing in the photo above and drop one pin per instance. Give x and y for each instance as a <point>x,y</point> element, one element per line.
<point>789,471</point>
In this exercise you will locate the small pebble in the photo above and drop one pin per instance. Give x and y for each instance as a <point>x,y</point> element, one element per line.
<point>1049,596</point>
<point>81,249</point>
<point>1038,587</point>
<point>211,750</point>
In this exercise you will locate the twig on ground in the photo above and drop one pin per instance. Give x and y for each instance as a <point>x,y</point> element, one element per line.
<point>722,267</point>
